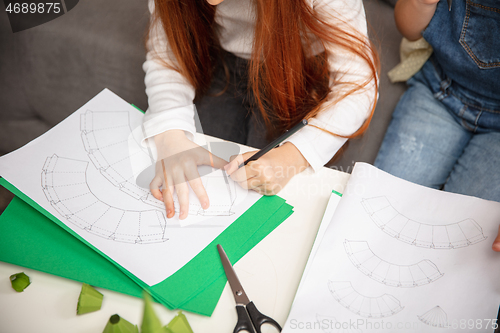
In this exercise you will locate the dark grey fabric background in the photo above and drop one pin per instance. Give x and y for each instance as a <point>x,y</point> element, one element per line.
<point>48,72</point>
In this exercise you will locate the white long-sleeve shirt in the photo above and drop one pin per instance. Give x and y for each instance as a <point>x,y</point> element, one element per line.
<point>171,96</point>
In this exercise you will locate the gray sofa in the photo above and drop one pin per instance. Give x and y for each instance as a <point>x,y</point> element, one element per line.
<point>49,71</point>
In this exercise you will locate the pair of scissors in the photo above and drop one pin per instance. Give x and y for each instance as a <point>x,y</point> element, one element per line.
<point>249,318</point>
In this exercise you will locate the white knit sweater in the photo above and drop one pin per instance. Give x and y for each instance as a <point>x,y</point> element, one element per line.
<point>170,96</point>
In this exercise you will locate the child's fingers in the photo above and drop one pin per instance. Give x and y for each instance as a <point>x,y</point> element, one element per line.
<point>182,190</point>
<point>236,161</point>
<point>202,156</point>
<point>244,173</point>
<point>167,197</point>
<point>240,157</point>
<point>168,200</point>
<point>244,185</point>
<point>260,189</point>
<point>197,186</point>
<point>248,172</point>
<point>250,184</point>
<point>496,242</point>
<point>154,187</point>
<point>216,162</point>
<point>167,191</point>
<point>268,189</point>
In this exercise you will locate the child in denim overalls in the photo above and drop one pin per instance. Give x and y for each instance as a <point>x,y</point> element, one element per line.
<point>445,130</point>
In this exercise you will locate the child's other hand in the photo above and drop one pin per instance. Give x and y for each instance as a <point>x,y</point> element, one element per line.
<point>178,160</point>
<point>429,2</point>
<point>270,173</point>
<point>496,242</point>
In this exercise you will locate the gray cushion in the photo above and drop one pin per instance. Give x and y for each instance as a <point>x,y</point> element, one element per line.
<point>49,71</point>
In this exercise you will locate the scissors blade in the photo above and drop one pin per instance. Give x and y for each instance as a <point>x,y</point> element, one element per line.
<point>449,4</point>
<point>239,294</point>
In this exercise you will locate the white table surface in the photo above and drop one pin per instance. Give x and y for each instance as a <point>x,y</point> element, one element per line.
<point>270,274</point>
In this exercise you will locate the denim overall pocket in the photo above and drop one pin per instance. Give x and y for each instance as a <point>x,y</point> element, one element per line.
<point>480,36</point>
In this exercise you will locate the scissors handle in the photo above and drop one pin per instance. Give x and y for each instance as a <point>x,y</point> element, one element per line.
<point>244,322</point>
<point>258,319</point>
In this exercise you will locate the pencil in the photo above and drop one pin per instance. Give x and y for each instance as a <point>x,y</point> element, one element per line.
<point>276,142</point>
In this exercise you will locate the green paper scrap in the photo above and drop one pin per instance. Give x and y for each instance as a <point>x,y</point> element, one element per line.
<point>90,300</point>
<point>23,227</point>
<point>116,324</point>
<point>179,324</point>
<point>20,281</point>
<point>150,322</point>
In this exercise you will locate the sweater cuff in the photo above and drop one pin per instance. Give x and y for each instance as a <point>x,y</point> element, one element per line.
<point>317,146</point>
<point>181,118</point>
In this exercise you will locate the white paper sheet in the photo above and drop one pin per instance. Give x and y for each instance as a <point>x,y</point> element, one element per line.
<point>399,257</point>
<point>80,171</point>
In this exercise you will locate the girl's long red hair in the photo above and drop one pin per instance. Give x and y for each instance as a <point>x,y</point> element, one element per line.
<point>289,82</point>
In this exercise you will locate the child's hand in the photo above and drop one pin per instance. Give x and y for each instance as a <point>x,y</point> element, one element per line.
<point>496,242</point>
<point>178,160</point>
<point>270,173</point>
<point>429,2</point>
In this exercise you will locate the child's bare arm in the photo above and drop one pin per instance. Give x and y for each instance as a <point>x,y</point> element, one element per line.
<point>412,16</point>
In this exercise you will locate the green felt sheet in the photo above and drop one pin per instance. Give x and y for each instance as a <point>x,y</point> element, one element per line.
<point>51,217</point>
<point>196,287</point>
<point>28,239</point>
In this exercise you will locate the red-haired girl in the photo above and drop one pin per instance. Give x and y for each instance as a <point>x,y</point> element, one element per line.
<point>254,69</point>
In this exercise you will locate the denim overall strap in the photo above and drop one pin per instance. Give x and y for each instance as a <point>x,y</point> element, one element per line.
<point>466,43</point>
